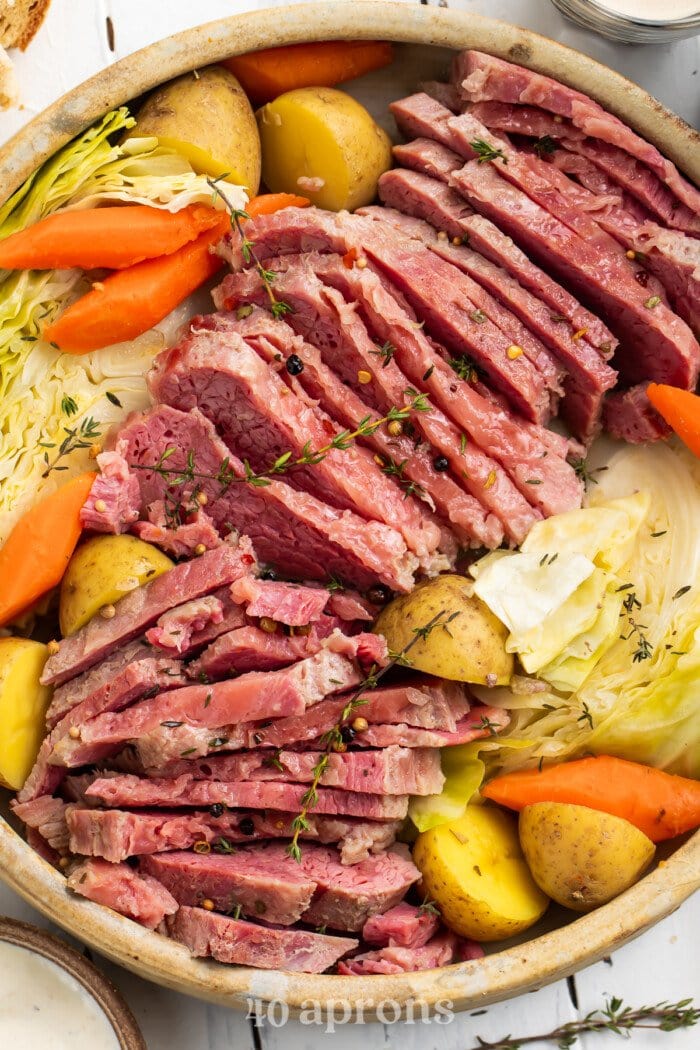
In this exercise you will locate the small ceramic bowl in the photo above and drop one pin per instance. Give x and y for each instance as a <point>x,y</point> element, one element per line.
<point>79,972</point>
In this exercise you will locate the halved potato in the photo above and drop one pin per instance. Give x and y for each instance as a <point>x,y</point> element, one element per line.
<point>23,703</point>
<point>103,570</point>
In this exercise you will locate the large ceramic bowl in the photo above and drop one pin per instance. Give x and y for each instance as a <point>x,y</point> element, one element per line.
<point>562,946</point>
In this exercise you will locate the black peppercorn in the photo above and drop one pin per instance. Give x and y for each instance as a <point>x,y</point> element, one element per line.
<point>294,364</point>
<point>246,826</point>
<point>217,809</point>
<point>347,734</point>
<point>441,463</point>
<point>378,595</point>
<point>268,574</point>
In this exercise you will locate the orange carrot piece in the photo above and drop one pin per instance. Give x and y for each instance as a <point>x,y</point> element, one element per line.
<point>113,238</point>
<point>681,410</point>
<point>266,74</point>
<point>131,301</point>
<point>659,804</point>
<point>267,203</point>
<point>37,551</point>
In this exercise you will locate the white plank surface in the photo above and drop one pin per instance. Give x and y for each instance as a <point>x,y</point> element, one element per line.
<point>664,964</point>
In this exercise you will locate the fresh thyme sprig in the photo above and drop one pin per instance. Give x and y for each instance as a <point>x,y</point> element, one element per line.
<point>278,308</point>
<point>545,146</point>
<point>582,471</point>
<point>386,352</point>
<point>82,436</point>
<point>395,470</point>
<point>225,476</point>
<point>333,739</point>
<point>485,152</point>
<point>644,648</point>
<point>614,1017</point>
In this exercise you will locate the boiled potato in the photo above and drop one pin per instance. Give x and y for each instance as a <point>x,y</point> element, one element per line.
<point>580,857</point>
<point>469,649</point>
<point>102,571</point>
<point>208,119</point>
<point>321,143</point>
<point>23,703</point>
<point>475,872</point>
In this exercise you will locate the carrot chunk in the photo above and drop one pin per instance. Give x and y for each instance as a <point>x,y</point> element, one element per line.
<point>268,203</point>
<point>681,410</point>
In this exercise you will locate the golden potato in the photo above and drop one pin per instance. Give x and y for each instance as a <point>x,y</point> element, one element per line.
<point>471,648</point>
<point>23,703</point>
<point>475,872</point>
<point>580,857</point>
<point>103,570</point>
<point>321,143</point>
<point>208,119</point>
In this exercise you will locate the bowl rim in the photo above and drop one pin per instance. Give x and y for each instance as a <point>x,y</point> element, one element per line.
<point>93,981</point>
<point>466,985</point>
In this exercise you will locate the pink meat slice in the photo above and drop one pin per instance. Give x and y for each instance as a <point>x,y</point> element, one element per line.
<point>404,926</point>
<point>116,491</point>
<point>483,77</point>
<point>317,540</point>
<point>288,603</point>
<point>440,951</point>
<point>141,608</point>
<point>47,816</point>
<point>262,882</point>
<point>174,630</point>
<point>253,649</point>
<point>630,417</point>
<point>229,940</point>
<point>129,790</point>
<point>481,722</point>
<point>119,887</point>
<point>259,419</point>
<point>181,541</point>
<point>257,695</point>
<point>116,834</point>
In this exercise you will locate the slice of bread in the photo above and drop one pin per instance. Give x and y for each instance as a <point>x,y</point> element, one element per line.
<point>19,21</point>
<point>8,84</point>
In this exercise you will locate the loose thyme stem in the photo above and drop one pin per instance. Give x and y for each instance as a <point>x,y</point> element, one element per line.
<point>333,740</point>
<point>614,1017</point>
<point>83,436</point>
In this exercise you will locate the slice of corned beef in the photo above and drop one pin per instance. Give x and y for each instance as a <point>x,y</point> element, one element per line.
<point>404,926</point>
<point>141,608</point>
<point>394,771</point>
<point>288,603</point>
<point>116,492</point>
<point>483,77</point>
<point>440,951</point>
<point>675,260</point>
<point>228,940</point>
<point>350,605</point>
<point>481,722</point>
<point>655,342</point>
<point>140,678</point>
<point>116,834</point>
<point>312,539</point>
<point>260,420</point>
<point>182,541</point>
<point>253,696</point>
<point>96,679</point>
<point>348,347</point>
<point>630,416</point>
<point>263,882</point>
<point>128,790</point>
<point>250,648</point>
<point>119,887</point>
<point>413,464</point>
<point>174,630</point>
<point>448,95</point>
<point>430,158</point>
<point>47,816</point>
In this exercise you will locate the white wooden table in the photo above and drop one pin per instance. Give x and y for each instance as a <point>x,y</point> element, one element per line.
<point>79,38</point>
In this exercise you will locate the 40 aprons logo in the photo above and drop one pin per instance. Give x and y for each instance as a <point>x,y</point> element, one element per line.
<point>332,1013</point>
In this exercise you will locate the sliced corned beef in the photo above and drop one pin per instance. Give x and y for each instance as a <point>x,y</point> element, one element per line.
<point>128,790</point>
<point>250,648</point>
<point>448,95</point>
<point>347,896</point>
<point>119,887</point>
<point>313,540</point>
<point>117,492</point>
<point>430,158</point>
<point>481,722</point>
<point>47,816</point>
<point>260,420</point>
<point>630,416</point>
<point>141,608</point>
<point>183,540</point>
<point>675,260</point>
<point>483,77</point>
<point>228,940</point>
<point>263,882</point>
<point>349,606</point>
<point>411,462</point>
<point>404,926</point>
<point>253,696</point>
<point>116,834</point>
<point>393,771</point>
<point>139,678</point>
<point>440,951</point>
<point>174,629</point>
<point>96,679</point>
<point>287,603</point>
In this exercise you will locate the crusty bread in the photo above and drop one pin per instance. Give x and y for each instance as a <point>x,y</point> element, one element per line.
<point>19,21</point>
<point>8,84</point>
